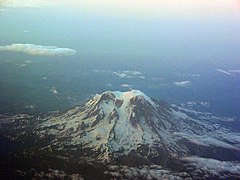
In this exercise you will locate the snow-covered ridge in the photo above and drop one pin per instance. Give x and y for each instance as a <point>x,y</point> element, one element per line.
<point>126,96</point>
<point>114,124</point>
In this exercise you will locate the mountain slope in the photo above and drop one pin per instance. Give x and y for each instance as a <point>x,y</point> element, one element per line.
<point>114,125</point>
<point>119,135</point>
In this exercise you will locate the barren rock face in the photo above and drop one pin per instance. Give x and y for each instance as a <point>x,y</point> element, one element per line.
<point>118,102</point>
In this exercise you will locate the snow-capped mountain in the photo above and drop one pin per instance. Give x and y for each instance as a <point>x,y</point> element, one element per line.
<point>119,135</point>
<point>131,124</point>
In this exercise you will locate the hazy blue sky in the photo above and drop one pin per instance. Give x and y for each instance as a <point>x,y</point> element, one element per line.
<point>184,50</point>
<point>206,29</point>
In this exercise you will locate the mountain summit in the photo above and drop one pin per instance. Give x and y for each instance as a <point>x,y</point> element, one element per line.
<point>118,126</point>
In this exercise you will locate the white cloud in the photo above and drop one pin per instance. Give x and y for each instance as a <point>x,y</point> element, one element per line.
<point>133,73</point>
<point>38,50</point>
<point>227,119</point>
<point>126,85</point>
<point>191,104</point>
<point>28,61</point>
<point>183,83</point>
<point>205,104</point>
<point>122,74</point>
<point>129,74</point>
<point>230,72</point>
<point>101,71</point>
<point>54,90</point>
<point>31,106</point>
<point>129,86</point>
<point>206,140</point>
<point>187,74</point>
<point>140,172</point>
<point>23,65</point>
<point>213,165</point>
<point>163,84</point>
<point>234,71</point>
<point>141,77</point>
<point>224,72</point>
<point>195,75</point>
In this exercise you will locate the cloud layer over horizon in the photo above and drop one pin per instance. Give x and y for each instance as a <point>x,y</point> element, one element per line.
<point>38,50</point>
<point>151,8</point>
<point>27,3</point>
